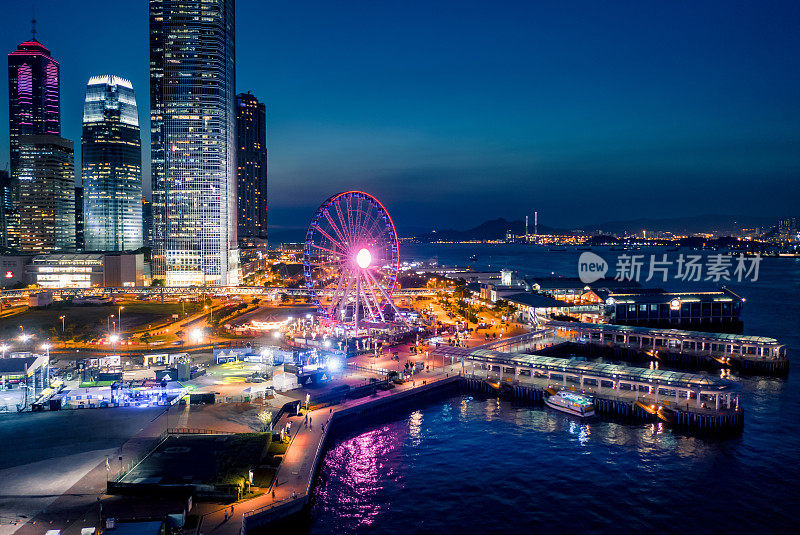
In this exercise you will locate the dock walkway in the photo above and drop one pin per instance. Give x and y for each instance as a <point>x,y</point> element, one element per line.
<point>291,489</point>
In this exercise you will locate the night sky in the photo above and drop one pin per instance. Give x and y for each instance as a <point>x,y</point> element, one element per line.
<point>454,112</point>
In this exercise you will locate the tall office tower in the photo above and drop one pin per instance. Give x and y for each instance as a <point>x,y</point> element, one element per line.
<point>112,165</point>
<point>6,204</point>
<point>33,108</point>
<point>147,222</point>
<point>46,194</point>
<point>193,135</point>
<point>251,166</point>
<point>80,229</point>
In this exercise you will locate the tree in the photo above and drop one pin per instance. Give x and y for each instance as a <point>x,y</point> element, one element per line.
<point>157,283</point>
<point>146,338</point>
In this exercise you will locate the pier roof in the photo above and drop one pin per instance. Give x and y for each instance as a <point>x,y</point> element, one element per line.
<point>691,381</point>
<point>666,333</point>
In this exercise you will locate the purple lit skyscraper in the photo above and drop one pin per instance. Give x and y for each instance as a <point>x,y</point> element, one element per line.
<point>34,108</point>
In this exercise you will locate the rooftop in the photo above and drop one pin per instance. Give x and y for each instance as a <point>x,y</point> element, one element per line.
<point>672,333</point>
<point>582,367</point>
<point>535,300</point>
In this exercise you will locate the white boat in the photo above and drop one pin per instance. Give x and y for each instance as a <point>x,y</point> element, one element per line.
<point>571,403</point>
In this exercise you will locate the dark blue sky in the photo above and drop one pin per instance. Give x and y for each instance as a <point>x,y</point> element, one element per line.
<point>453,112</point>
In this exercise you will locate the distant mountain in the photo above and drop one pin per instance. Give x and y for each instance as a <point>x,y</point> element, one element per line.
<point>716,223</point>
<point>494,229</point>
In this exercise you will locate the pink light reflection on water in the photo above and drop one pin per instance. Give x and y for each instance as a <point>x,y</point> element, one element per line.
<point>364,464</point>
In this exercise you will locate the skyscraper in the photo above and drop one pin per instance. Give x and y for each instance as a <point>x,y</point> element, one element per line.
<point>147,222</point>
<point>34,107</point>
<point>251,166</point>
<point>6,204</point>
<point>46,194</point>
<point>193,136</point>
<point>80,234</point>
<point>111,166</point>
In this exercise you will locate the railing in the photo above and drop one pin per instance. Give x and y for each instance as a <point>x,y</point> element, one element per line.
<point>355,366</point>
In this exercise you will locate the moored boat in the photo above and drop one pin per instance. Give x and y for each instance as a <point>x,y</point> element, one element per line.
<point>571,403</point>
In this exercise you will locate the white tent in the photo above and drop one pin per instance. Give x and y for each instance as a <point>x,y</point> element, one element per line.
<point>283,381</point>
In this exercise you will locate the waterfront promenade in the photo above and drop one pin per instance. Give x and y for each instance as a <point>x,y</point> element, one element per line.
<point>295,477</point>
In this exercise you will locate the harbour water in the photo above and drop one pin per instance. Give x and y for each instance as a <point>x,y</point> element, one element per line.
<point>475,465</point>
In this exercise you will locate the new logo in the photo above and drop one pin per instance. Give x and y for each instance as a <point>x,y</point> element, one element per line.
<point>591,267</point>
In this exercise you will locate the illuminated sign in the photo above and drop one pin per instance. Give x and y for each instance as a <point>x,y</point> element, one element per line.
<point>675,304</point>
<point>9,274</point>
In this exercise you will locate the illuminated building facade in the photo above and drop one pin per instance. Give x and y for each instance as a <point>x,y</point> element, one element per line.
<point>251,166</point>
<point>111,166</point>
<point>34,107</point>
<point>88,270</point>
<point>6,204</point>
<point>193,133</point>
<point>46,206</point>
<point>79,219</point>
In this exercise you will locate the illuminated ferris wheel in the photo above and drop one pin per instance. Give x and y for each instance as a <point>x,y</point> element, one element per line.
<point>351,260</point>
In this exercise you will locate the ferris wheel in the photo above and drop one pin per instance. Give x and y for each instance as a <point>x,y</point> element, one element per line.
<point>350,260</point>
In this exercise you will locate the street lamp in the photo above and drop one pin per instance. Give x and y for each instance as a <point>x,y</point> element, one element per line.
<point>119,318</point>
<point>197,335</point>
<point>62,323</point>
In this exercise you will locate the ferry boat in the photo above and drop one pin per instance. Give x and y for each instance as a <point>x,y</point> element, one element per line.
<point>571,403</point>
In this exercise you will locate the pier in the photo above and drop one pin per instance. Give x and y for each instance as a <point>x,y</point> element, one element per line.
<point>748,354</point>
<point>690,400</point>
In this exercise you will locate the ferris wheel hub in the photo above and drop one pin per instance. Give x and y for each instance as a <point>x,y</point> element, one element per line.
<point>364,258</point>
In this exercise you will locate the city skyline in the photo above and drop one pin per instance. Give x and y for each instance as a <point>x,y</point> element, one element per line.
<point>703,109</point>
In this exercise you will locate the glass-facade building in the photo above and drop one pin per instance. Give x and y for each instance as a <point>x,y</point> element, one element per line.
<point>46,194</point>
<point>34,108</point>
<point>251,166</point>
<point>111,166</point>
<point>193,136</point>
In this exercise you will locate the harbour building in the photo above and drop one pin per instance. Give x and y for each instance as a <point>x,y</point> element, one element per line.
<point>111,166</point>
<point>193,136</point>
<point>34,108</point>
<point>46,204</point>
<point>251,166</point>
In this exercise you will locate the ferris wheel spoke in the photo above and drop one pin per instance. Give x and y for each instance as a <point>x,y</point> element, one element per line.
<point>367,304</point>
<point>391,304</point>
<point>342,221</point>
<point>369,232</point>
<point>375,298</point>
<point>338,232</point>
<point>338,253</point>
<point>336,297</point>
<point>349,213</point>
<point>333,241</point>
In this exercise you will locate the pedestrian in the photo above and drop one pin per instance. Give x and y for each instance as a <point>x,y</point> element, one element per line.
<point>273,494</point>
<point>226,515</point>
<point>231,510</point>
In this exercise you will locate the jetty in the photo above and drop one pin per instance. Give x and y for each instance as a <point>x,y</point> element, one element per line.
<point>746,354</point>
